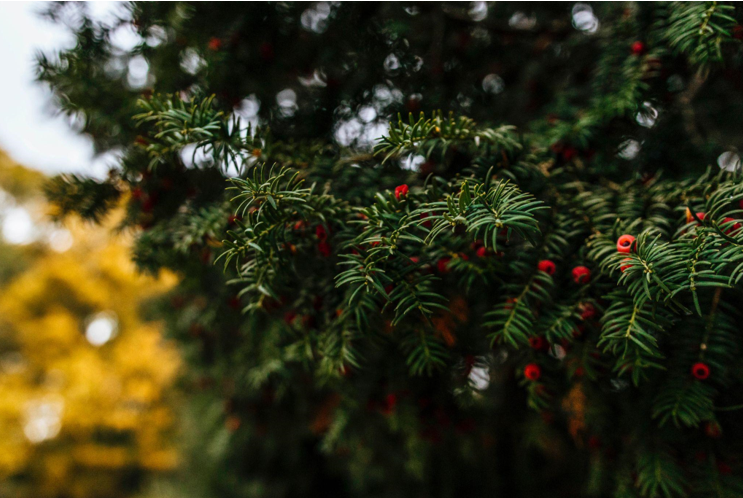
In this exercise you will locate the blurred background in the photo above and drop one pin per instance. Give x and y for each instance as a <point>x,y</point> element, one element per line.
<point>86,379</point>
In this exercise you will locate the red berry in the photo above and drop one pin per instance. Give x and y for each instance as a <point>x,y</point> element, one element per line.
<point>324,248</point>
<point>638,48</point>
<point>289,317</point>
<point>401,191</point>
<point>537,343</point>
<point>389,403</point>
<point>700,370</point>
<point>568,153</point>
<point>712,429</point>
<point>427,223</point>
<point>321,233</point>
<point>626,266</point>
<point>733,228</point>
<point>581,275</point>
<point>532,371</point>
<point>469,360</point>
<point>690,218</point>
<point>483,252</point>
<point>215,44</point>
<point>233,219</point>
<point>738,32</point>
<point>510,302</point>
<point>443,265</point>
<point>587,311</point>
<point>625,243</point>
<point>546,266</point>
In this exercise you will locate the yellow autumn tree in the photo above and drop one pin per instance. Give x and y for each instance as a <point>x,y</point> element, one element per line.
<point>85,398</point>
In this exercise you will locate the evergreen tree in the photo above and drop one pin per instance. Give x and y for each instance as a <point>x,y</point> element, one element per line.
<point>531,289</point>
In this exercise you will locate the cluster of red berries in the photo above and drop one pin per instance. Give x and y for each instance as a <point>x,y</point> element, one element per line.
<point>581,274</point>
<point>726,221</point>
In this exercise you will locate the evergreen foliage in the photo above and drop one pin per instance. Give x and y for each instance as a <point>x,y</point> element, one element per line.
<point>449,311</point>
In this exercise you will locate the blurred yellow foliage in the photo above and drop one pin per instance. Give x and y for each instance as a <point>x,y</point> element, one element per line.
<point>84,382</point>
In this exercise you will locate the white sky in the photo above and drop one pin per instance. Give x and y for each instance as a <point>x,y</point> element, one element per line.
<point>29,131</point>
